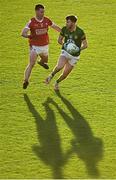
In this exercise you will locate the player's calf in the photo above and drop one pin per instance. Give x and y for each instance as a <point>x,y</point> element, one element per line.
<point>60,65</point>
<point>28,71</point>
<point>67,69</point>
<point>49,78</point>
<point>44,65</point>
<point>33,57</point>
<point>44,61</point>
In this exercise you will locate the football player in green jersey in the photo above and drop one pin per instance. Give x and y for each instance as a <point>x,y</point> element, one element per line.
<point>73,41</point>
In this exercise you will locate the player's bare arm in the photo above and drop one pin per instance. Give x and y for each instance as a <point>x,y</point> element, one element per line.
<point>56,27</point>
<point>25,32</point>
<point>84,44</point>
<point>60,40</point>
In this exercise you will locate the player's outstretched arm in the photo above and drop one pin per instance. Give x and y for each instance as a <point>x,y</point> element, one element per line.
<point>57,28</point>
<point>84,44</point>
<point>60,40</point>
<point>24,33</point>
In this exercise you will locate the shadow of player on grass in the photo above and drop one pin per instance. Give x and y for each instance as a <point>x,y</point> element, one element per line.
<point>87,147</point>
<point>49,150</point>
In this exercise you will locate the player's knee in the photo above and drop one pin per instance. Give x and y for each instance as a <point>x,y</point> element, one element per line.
<point>58,68</point>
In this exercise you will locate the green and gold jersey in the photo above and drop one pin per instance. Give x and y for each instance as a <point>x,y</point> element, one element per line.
<point>75,37</point>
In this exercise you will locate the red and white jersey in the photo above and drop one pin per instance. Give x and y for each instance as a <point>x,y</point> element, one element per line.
<point>39,31</point>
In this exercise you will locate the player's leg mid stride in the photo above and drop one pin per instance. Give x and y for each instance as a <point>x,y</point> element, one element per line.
<point>73,40</point>
<point>27,73</point>
<point>63,63</point>
<point>34,52</point>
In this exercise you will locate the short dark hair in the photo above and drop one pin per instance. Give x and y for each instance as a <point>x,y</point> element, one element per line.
<point>72,18</point>
<point>39,6</point>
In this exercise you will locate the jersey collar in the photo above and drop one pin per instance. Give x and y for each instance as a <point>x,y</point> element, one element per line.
<point>39,20</point>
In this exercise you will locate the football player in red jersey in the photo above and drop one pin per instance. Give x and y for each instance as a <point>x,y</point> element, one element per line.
<point>38,40</point>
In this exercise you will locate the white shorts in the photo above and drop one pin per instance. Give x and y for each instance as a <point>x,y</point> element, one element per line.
<point>40,50</point>
<point>71,59</point>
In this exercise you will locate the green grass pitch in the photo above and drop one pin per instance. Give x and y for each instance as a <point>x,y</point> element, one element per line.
<point>67,135</point>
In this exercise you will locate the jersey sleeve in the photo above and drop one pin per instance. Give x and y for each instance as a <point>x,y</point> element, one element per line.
<point>50,23</point>
<point>62,32</point>
<point>28,25</point>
